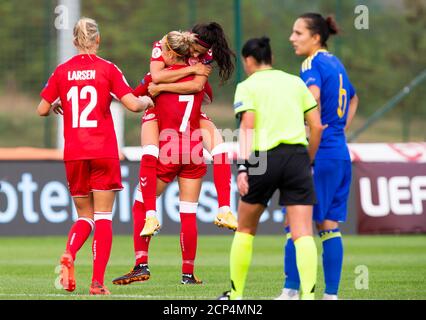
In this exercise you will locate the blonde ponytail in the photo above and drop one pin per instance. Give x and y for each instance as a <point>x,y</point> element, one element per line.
<point>85,32</point>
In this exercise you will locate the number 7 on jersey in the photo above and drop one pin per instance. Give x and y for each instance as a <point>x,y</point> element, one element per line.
<point>189,99</point>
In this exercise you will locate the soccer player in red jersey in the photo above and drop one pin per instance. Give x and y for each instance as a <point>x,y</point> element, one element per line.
<point>85,85</point>
<point>210,44</point>
<point>180,154</point>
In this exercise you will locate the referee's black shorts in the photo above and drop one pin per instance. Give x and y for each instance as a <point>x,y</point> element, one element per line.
<point>288,169</point>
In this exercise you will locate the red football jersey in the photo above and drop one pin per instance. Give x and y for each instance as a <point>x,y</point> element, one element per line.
<point>85,85</point>
<point>178,115</point>
<point>142,88</point>
<point>205,59</point>
<point>157,51</point>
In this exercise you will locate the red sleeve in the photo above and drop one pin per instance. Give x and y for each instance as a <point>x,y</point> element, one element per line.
<point>119,85</point>
<point>207,58</point>
<point>156,54</point>
<point>142,88</point>
<point>50,92</point>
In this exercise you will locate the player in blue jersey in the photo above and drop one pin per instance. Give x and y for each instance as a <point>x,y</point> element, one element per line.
<point>326,78</point>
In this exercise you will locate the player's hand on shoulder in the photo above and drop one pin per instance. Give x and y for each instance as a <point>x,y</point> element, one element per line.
<point>202,69</point>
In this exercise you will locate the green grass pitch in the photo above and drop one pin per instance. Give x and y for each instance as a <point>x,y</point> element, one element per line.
<point>396,268</point>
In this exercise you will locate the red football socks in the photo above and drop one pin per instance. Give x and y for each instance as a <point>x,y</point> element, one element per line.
<point>148,181</point>
<point>141,244</point>
<point>188,236</point>
<point>78,235</point>
<point>101,247</point>
<point>222,178</point>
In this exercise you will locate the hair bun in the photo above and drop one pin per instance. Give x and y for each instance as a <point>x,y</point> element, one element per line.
<point>264,41</point>
<point>332,25</point>
<point>187,36</point>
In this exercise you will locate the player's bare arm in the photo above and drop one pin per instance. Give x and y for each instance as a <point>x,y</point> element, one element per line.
<point>316,128</point>
<point>246,142</point>
<point>161,75</point>
<point>316,92</point>
<point>135,104</point>
<point>43,108</point>
<point>186,87</point>
<point>353,106</point>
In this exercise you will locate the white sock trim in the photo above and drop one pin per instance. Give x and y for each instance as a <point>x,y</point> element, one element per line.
<point>151,150</point>
<point>89,221</point>
<point>220,148</point>
<point>140,254</point>
<point>103,216</point>
<point>138,196</point>
<point>188,207</point>
<point>224,209</point>
<point>151,214</point>
<point>287,290</point>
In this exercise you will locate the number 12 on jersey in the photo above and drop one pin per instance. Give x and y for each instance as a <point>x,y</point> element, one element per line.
<point>81,121</point>
<point>189,99</point>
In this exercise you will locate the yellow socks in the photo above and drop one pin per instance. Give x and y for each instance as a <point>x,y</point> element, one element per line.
<point>241,252</point>
<point>307,263</point>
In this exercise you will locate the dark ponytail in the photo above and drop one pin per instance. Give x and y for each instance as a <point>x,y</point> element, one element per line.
<point>212,35</point>
<point>332,25</point>
<point>316,24</point>
<point>259,49</point>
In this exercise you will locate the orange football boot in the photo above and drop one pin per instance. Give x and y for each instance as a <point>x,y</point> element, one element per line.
<point>98,289</point>
<point>67,278</point>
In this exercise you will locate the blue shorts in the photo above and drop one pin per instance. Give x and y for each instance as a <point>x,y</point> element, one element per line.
<point>332,180</point>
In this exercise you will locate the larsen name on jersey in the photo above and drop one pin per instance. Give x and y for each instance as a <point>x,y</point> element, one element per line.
<point>81,75</point>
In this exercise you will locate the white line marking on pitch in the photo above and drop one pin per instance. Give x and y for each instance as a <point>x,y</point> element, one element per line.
<point>87,295</point>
